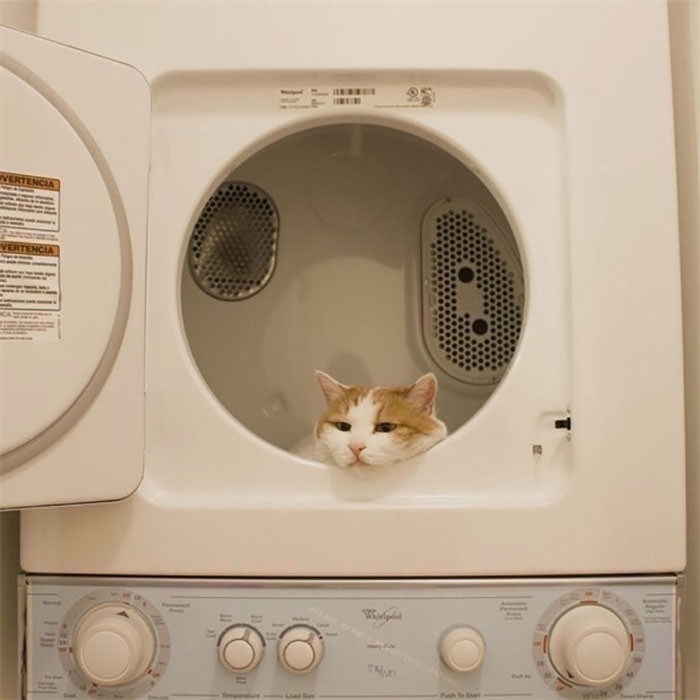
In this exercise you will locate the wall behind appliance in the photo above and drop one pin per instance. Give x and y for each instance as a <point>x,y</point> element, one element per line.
<point>9,568</point>
<point>685,37</point>
<point>684,16</point>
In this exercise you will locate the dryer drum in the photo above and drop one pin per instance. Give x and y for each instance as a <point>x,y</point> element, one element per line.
<point>473,292</point>
<point>233,246</point>
<point>400,261</point>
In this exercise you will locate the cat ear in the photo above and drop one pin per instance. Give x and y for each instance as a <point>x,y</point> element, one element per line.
<point>331,388</point>
<point>424,391</point>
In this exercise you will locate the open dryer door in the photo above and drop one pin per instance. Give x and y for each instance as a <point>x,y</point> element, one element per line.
<point>74,156</point>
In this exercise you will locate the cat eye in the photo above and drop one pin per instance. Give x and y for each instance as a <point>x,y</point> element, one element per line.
<point>341,425</point>
<point>384,427</point>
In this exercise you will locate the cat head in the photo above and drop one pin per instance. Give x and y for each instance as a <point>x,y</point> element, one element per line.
<point>364,426</point>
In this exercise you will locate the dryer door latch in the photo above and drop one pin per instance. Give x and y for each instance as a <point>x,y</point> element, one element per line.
<point>563,423</point>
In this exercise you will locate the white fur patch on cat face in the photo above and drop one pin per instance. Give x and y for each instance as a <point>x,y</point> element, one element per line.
<point>360,444</point>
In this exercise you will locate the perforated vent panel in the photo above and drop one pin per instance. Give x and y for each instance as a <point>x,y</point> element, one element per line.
<point>472,292</point>
<point>233,246</point>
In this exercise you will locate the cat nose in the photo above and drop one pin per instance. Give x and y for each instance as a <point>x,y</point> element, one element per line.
<point>357,448</point>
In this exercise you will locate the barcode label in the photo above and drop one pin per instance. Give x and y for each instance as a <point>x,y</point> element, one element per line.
<point>297,97</point>
<point>354,91</point>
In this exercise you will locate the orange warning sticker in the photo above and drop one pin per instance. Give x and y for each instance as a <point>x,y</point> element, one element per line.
<point>30,181</point>
<point>29,276</point>
<point>29,202</point>
<point>29,248</point>
<point>30,257</point>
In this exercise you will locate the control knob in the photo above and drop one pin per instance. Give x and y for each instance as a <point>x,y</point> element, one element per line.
<point>300,649</point>
<point>113,644</point>
<point>241,648</point>
<point>462,649</point>
<point>589,645</point>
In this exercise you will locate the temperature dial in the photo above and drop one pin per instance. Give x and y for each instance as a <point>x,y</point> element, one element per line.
<point>589,645</point>
<point>300,649</point>
<point>113,645</point>
<point>241,648</point>
<point>462,649</point>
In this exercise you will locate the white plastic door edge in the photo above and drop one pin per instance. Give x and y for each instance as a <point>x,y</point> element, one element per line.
<point>74,156</point>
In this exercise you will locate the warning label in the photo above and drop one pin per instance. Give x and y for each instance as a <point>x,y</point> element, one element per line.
<point>30,257</point>
<point>29,202</point>
<point>29,281</point>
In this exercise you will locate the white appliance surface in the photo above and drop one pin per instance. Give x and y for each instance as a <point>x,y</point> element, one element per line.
<point>340,639</point>
<point>72,258</point>
<point>546,143</point>
<point>569,135</point>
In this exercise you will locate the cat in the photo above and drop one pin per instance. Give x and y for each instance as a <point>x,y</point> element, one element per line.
<point>375,426</point>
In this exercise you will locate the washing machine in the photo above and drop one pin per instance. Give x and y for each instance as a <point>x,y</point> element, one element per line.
<point>202,203</point>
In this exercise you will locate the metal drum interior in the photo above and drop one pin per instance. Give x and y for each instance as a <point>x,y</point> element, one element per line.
<point>358,249</point>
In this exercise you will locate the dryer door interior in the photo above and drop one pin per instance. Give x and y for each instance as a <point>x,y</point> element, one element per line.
<point>74,157</point>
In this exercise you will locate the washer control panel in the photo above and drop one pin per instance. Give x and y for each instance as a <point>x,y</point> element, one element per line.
<point>164,639</point>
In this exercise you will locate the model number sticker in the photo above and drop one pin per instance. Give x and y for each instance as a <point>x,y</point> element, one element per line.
<point>375,97</point>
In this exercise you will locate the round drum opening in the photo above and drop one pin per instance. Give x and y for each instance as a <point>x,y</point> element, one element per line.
<point>358,249</point>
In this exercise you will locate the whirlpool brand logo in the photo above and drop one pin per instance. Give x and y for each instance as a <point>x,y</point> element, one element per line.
<point>379,618</point>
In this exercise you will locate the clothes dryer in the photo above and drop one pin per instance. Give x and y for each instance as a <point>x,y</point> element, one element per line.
<point>204,203</point>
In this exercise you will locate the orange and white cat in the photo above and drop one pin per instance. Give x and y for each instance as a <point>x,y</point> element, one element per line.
<point>375,426</point>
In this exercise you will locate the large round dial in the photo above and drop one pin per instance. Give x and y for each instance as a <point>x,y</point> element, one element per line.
<point>589,645</point>
<point>113,644</point>
<point>462,649</point>
<point>241,648</point>
<point>588,641</point>
<point>300,649</point>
